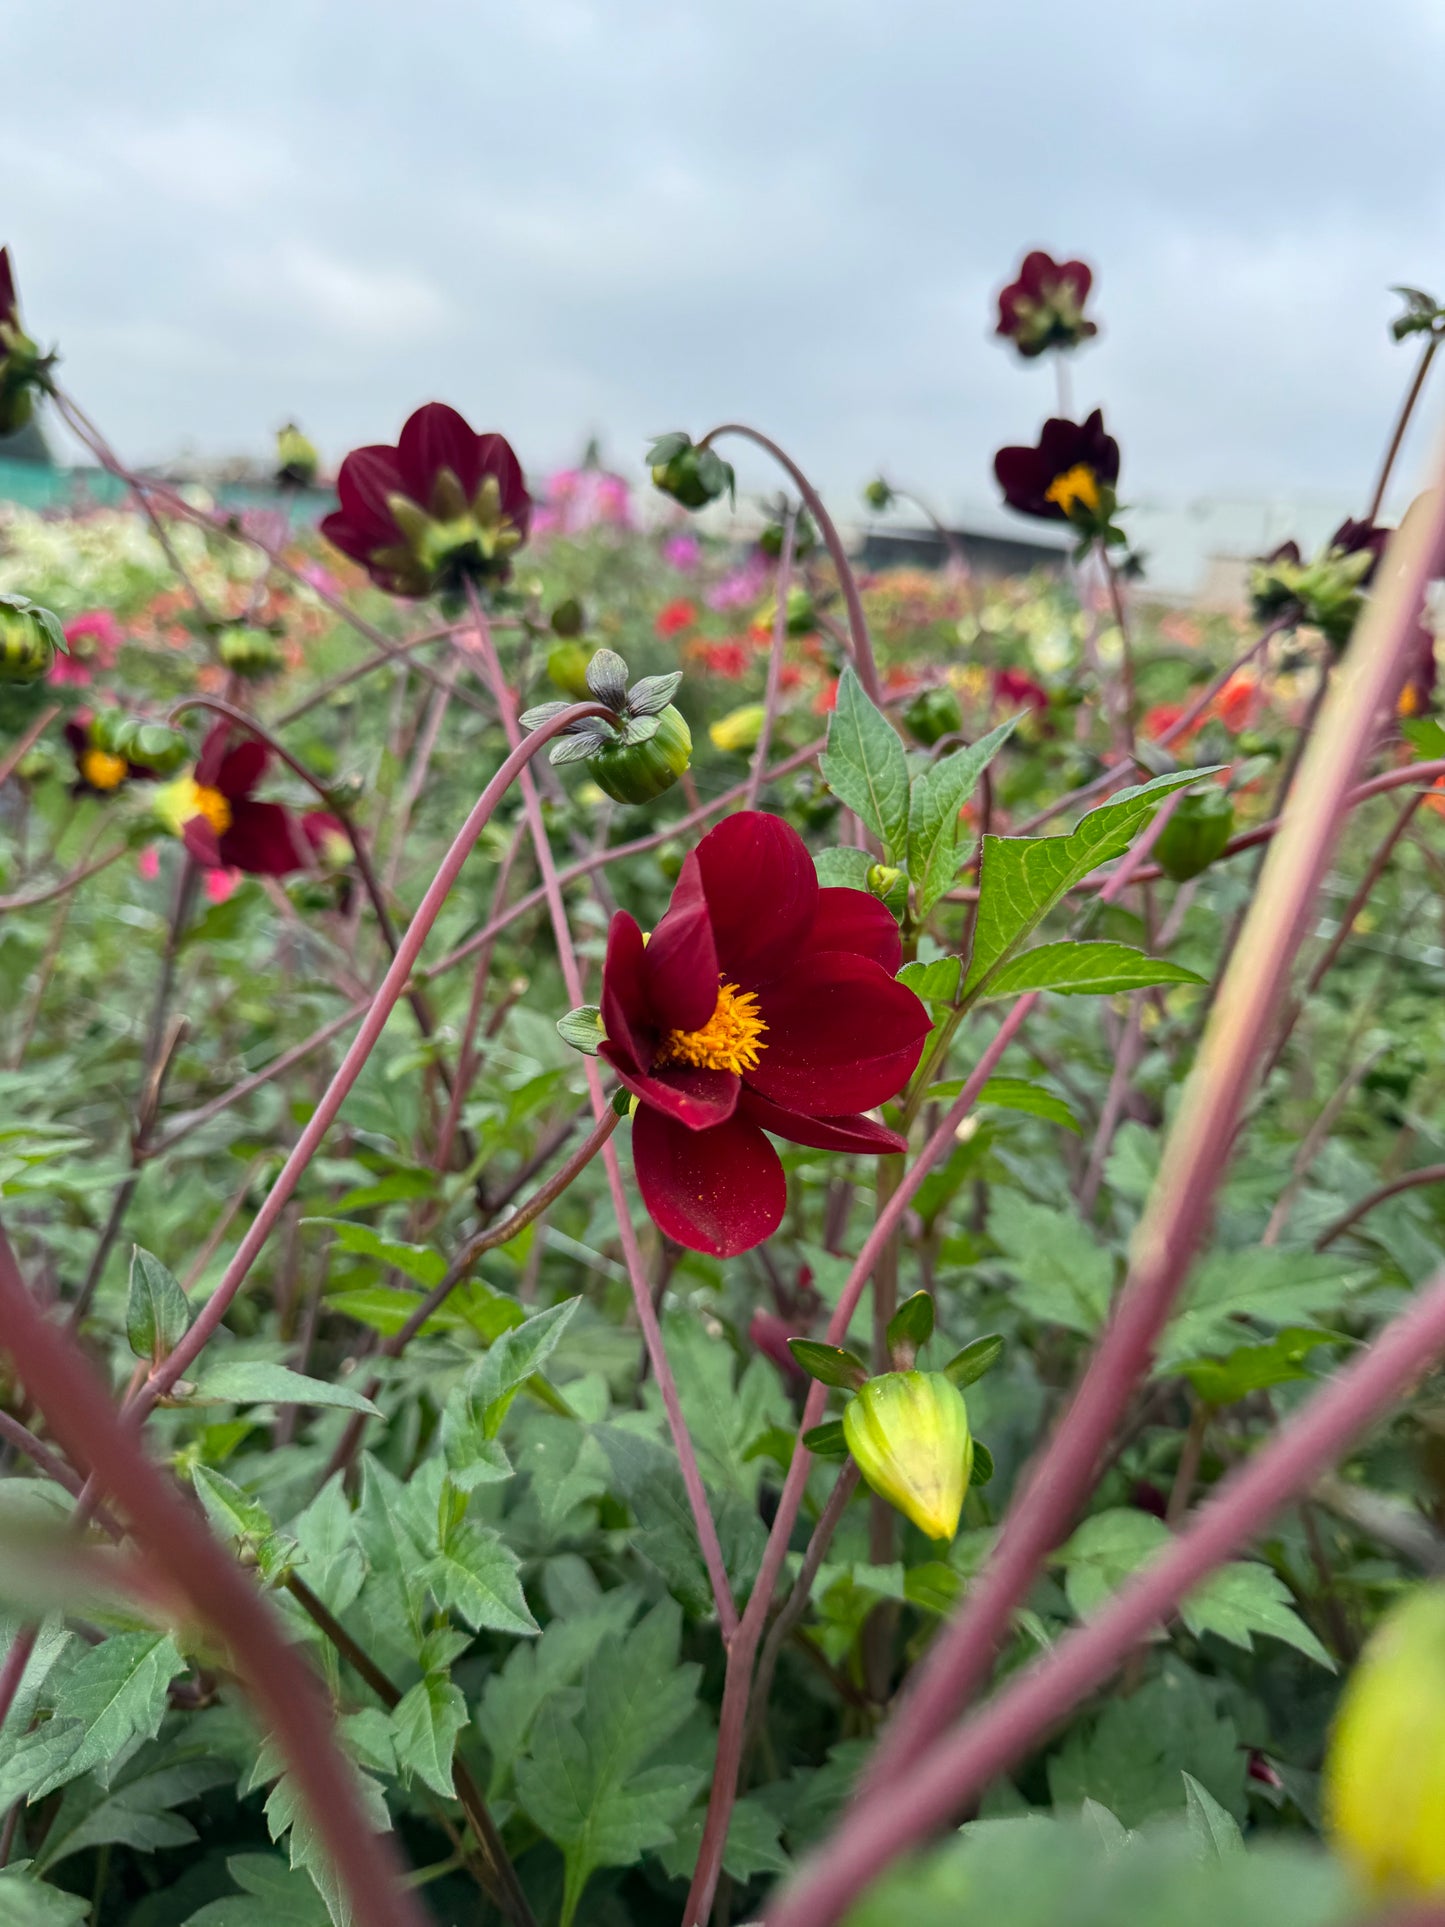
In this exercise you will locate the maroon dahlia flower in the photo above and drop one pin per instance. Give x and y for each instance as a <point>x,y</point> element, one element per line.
<point>1068,477</point>
<point>100,770</point>
<point>1044,307</point>
<point>9,304</point>
<point>1354,537</point>
<point>444,506</point>
<point>220,821</point>
<point>761,1002</point>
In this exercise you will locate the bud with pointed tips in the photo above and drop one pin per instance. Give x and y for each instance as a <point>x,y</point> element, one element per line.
<point>29,638</point>
<point>909,1437</point>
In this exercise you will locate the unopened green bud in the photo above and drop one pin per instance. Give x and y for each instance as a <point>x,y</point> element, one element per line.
<point>933,714</point>
<point>804,537</point>
<point>568,618</point>
<point>636,772</point>
<point>878,495</point>
<point>740,729</point>
<point>1384,1780</point>
<point>296,459</point>
<point>1195,834</point>
<point>802,612</point>
<point>156,746</point>
<point>38,763</point>
<point>884,879</point>
<point>690,475</point>
<point>567,668</point>
<point>909,1437</point>
<point>28,636</point>
<point>252,653</point>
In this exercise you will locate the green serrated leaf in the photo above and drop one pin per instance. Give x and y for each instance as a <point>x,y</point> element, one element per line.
<point>272,1895</point>
<point>1214,1830</point>
<point>1022,878</point>
<point>1257,1368</point>
<point>865,766</point>
<point>1063,1275</point>
<point>936,982</point>
<point>938,796</point>
<point>425,1725</point>
<point>28,1902</point>
<point>1247,1598</point>
<point>1105,1551</point>
<point>254,1382</point>
<point>117,1690</point>
<point>1275,1287</point>
<point>1085,969</point>
<point>417,1262</point>
<point>157,1316</point>
<point>845,868</point>
<point>582,1029</point>
<point>477,1575</point>
<point>1035,1100</point>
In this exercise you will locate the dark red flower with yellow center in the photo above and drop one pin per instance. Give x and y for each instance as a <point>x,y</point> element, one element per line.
<point>761,1003</point>
<point>1068,477</point>
<point>1044,306</point>
<point>100,769</point>
<point>445,506</point>
<point>220,822</point>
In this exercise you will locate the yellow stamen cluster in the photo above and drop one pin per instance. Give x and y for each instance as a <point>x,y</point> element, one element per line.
<point>215,807</point>
<point>730,1040</point>
<point>102,769</point>
<point>179,802</point>
<point>1077,487</point>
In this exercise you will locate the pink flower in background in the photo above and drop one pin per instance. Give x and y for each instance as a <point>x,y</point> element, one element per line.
<point>579,499</point>
<point>148,863</point>
<point>319,578</point>
<point>220,884</point>
<point>682,552</point>
<point>95,640</point>
<point>743,586</point>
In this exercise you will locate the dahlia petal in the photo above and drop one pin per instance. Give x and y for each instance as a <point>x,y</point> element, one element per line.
<point>201,840</point>
<point>7,287</point>
<point>697,1099</point>
<point>679,966</point>
<point>762,893</point>
<point>434,438</point>
<point>242,769</point>
<point>342,533</point>
<point>213,754</point>
<point>720,1191</point>
<point>625,1014</point>
<point>264,840</point>
<point>854,921</point>
<point>368,477</point>
<point>849,1133</point>
<point>842,1036</point>
<point>1020,475</point>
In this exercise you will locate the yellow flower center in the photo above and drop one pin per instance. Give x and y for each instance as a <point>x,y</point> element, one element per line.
<point>103,770</point>
<point>180,802</point>
<point>730,1040</point>
<point>213,806</point>
<point>1076,487</point>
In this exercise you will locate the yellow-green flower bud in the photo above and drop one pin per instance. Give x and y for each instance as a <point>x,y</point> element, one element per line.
<point>1195,834</point>
<point>908,1433</point>
<point>252,653</point>
<point>636,772</point>
<point>1384,1784</point>
<point>567,668</point>
<point>740,729</point>
<point>297,462</point>
<point>933,714</point>
<point>27,640</point>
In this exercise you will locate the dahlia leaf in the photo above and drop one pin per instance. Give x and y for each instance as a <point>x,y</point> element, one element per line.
<point>1085,969</point>
<point>938,796</point>
<point>866,768</point>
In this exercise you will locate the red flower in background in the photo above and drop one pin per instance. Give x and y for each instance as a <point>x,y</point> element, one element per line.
<point>1044,306</point>
<point>95,640</point>
<point>222,824</point>
<point>761,1003</point>
<point>445,506</point>
<point>731,660</point>
<point>1013,686</point>
<point>675,617</point>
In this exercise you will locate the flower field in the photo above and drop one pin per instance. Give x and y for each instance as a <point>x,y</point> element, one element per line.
<point>688,1235</point>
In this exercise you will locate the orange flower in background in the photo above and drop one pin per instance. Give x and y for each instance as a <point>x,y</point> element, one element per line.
<point>826,699</point>
<point>731,659</point>
<point>1162,717</point>
<point>1236,703</point>
<point>675,617</point>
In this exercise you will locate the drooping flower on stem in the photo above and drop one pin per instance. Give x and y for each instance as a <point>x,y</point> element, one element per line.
<point>1069,475</point>
<point>1043,306</point>
<point>219,820</point>
<point>444,507</point>
<point>761,1003</point>
<point>22,366</point>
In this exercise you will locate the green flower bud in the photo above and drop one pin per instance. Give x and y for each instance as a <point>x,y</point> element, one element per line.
<point>28,637</point>
<point>740,729</point>
<point>933,713</point>
<point>252,653</point>
<point>884,879</point>
<point>567,668</point>
<point>878,495</point>
<point>802,612</point>
<point>1195,834</point>
<point>156,746</point>
<point>1384,1781</point>
<point>296,459</point>
<point>568,618</point>
<point>38,763</point>
<point>638,771</point>
<point>909,1437</point>
<point>690,475</point>
<point>804,537</point>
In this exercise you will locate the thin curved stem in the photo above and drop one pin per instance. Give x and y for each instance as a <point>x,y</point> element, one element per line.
<point>1195,1154</point>
<point>16,754</point>
<point>1408,1181</point>
<point>77,1409</point>
<point>78,876</point>
<point>863,660</point>
<point>774,689</point>
<point>906,1808</point>
<point>214,1310</point>
<point>1407,409</point>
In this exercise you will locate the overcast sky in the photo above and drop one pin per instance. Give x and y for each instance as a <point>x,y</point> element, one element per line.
<point>621,216</point>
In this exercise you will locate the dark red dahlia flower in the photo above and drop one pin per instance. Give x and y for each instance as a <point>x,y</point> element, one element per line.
<point>444,506</point>
<point>1353,537</point>
<point>1068,477</point>
<point>761,1003</point>
<point>222,824</point>
<point>100,769</point>
<point>1013,686</point>
<point>1044,307</point>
